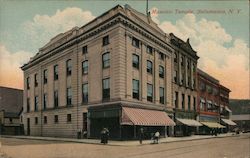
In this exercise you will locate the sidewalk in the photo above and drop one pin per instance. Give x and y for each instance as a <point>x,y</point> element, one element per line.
<point>123,143</point>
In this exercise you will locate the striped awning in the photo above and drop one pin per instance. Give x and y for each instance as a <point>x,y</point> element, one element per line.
<point>229,122</point>
<point>212,124</point>
<point>144,117</point>
<point>189,122</point>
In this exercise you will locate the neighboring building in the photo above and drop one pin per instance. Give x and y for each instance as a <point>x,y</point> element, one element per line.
<point>114,72</point>
<point>184,86</point>
<point>11,101</point>
<point>240,113</point>
<point>208,102</point>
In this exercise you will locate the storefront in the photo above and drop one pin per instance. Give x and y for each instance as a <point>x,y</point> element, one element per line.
<point>124,122</point>
<point>229,124</point>
<point>210,123</point>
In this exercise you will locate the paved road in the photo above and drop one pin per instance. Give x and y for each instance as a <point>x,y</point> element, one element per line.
<point>229,147</point>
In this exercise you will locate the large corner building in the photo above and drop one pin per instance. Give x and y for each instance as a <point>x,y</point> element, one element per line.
<point>114,72</point>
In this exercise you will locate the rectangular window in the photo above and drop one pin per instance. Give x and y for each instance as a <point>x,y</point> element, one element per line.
<point>149,92</point>
<point>85,50</point>
<point>136,89</point>
<point>105,40</point>
<point>45,76</point>
<point>85,67</point>
<point>175,76</point>
<point>55,72</point>
<point>188,64</point>
<point>189,103</point>
<point>36,103</point>
<point>85,121</point>
<point>161,71</point>
<point>182,61</point>
<point>69,97</point>
<point>189,79</point>
<point>175,57</point>
<point>182,78</point>
<point>183,101</point>
<point>149,50</point>
<point>68,67</point>
<point>56,99</point>
<point>45,119</point>
<point>136,61</point>
<point>162,100</point>
<point>36,81</point>
<point>28,104</point>
<point>68,117</point>
<point>85,93</point>
<point>194,104</point>
<point>105,89</point>
<point>56,120</point>
<point>44,101</point>
<point>36,120</point>
<point>161,56</point>
<point>149,67</point>
<point>28,82</point>
<point>106,60</point>
<point>176,99</point>
<point>136,42</point>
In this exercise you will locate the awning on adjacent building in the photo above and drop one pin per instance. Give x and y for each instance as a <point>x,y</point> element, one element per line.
<point>227,109</point>
<point>189,122</point>
<point>229,122</point>
<point>144,117</point>
<point>212,124</point>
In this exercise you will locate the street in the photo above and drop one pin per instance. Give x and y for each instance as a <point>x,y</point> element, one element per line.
<point>229,147</point>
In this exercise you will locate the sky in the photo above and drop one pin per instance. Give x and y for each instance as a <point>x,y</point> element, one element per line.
<point>218,31</point>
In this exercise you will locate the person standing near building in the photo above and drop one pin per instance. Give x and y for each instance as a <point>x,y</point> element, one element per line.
<point>157,135</point>
<point>141,135</point>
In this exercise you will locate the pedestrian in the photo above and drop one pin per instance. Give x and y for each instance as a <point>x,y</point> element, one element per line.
<point>157,135</point>
<point>103,136</point>
<point>141,135</point>
<point>106,135</point>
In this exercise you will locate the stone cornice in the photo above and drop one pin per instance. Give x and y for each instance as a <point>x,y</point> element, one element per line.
<point>117,18</point>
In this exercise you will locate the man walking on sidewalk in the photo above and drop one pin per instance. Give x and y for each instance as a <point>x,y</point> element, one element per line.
<point>141,135</point>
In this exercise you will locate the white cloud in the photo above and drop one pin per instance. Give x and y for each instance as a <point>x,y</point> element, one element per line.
<point>10,72</point>
<point>42,28</point>
<point>229,64</point>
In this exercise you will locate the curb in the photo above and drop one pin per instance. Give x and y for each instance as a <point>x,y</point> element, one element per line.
<point>110,144</point>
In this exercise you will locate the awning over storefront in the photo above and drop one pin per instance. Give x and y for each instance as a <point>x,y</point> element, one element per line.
<point>229,122</point>
<point>227,109</point>
<point>189,122</point>
<point>143,117</point>
<point>212,124</point>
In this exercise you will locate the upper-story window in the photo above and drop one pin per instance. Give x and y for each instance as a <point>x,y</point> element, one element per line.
<point>161,56</point>
<point>176,98</point>
<point>136,42</point>
<point>85,66</point>
<point>45,119</point>
<point>105,40</point>
<point>149,67</point>
<point>149,92</point>
<point>136,89</point>
<point>161,71</point>
<point>162,100</point>
<point>183,101</point>
<point>189,103</point>
<point>55,72</point>
<point>135,61</point>
<point>36,81</point>
<point>188,64</point>
<point>194,103</point>
<point>106,60</point>
<point>55,98</point>
<point>68,67</point>
<point>106,88</point>
<point>85,93</point>
<point>28,82</point>
<point>56,120</point>
<point>175,76</point>
<point>194,68</point>
<point>85,50</point>
<point>175,58</point>
<point>69,96</point>
<point>45,76</point>
<point>68,117</point>
<point>36,120</point>
<point>182,61</point>
<point>36,103</point>
<point>45,101</point>
<point>28,105</point>
<point>149,49</point>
